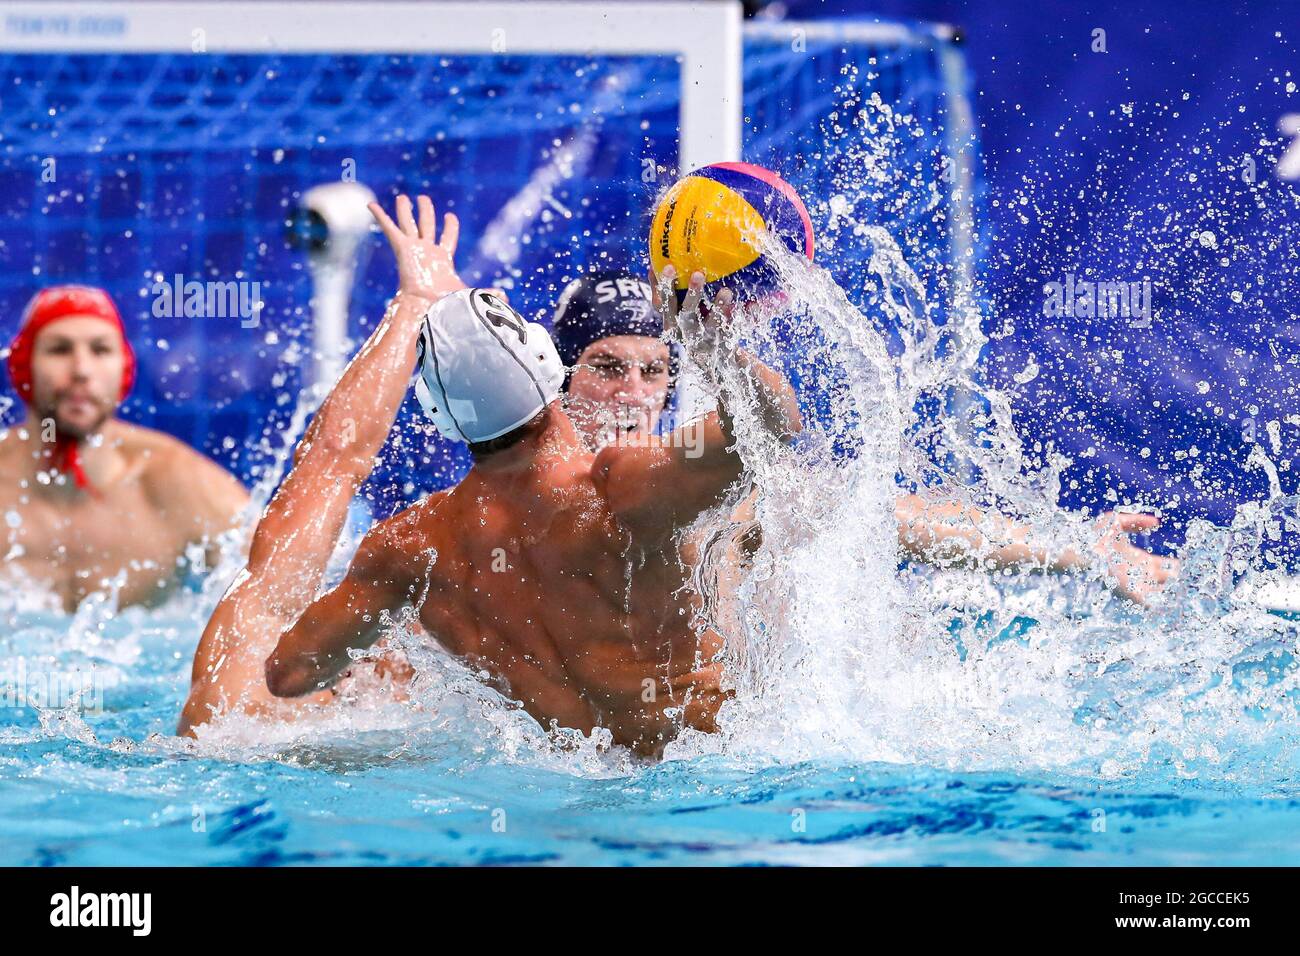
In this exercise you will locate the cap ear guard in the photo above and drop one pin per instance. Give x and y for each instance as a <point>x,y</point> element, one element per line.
<point>445,424</point>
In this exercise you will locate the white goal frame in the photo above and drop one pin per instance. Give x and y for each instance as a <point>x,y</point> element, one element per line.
<point>704,34</point>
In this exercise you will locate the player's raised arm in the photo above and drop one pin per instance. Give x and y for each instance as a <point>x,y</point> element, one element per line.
<point>340,445</point>
<point>664,486</point>
<point>312,648</point>
<point>300,528</point>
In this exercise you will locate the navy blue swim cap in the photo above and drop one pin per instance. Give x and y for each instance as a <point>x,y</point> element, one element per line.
<point>601,304</point>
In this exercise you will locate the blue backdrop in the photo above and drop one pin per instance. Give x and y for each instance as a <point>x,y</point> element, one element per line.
<point>179,164</point>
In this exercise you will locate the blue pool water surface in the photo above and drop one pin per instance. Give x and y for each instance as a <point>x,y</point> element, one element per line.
<point>113,787</point>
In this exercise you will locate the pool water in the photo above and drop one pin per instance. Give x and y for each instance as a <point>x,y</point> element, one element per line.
<point>470,780</point>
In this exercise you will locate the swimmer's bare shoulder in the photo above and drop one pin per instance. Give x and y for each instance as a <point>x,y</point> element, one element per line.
<point>405,558</point>
<point>422,530</point>
<point>188,488</point>
<point>16,460</point>
<point>657,489</point>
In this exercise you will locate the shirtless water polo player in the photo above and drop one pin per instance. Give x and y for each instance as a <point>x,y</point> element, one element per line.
<point>552,568</point>
<point>95,503</point>
<point>588,621</point>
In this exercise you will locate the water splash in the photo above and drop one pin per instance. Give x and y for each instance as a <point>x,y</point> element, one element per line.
<point>838,655</point>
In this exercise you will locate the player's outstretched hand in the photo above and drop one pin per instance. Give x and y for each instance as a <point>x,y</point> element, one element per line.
<point>425,263</point>
<point>1132,572</point>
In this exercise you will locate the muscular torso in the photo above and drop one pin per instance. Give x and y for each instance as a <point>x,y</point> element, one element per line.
<point>563,612</point>
<point>124,537</point>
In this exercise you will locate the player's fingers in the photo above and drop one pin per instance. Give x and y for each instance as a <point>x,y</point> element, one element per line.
<point>667,295</point>
<point>691,304</point>
<point>694,293</point>
<point>1129,523</point>
<point>428,219</point>
<point>404,217</point>
<point>386,224</point>
<point>450,233</point>
<point>725,303</point>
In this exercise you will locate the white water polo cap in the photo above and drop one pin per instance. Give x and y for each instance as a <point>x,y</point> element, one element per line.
<point>482,369</point>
